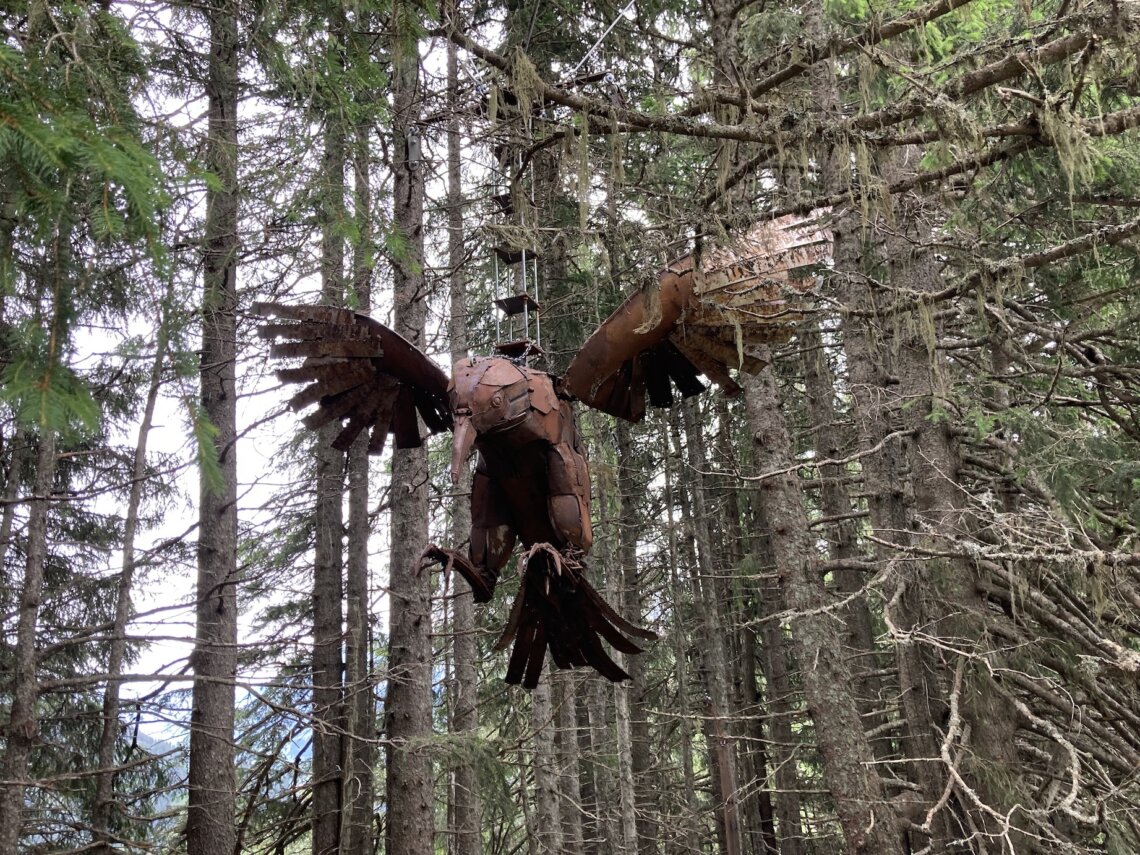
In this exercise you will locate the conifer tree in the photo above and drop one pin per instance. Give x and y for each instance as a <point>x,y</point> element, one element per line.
<point>211,817</point>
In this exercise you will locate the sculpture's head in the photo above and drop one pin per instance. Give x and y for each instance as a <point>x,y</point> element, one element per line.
<point>488,395</point>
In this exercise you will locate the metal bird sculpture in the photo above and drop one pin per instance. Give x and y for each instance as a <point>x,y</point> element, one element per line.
<point>531,481</point>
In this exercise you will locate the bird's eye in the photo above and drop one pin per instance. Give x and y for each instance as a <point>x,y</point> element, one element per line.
<point>497,401</point>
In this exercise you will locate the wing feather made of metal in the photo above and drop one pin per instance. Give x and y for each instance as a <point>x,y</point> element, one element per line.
<point>358,372</point>
<point>701,319</point>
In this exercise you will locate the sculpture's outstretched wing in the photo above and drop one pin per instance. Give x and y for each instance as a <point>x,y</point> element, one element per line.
<point>358,372</point>
<point>700,320</point>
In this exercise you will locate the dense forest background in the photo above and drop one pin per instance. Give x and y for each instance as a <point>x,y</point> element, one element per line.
<point>897,580</point>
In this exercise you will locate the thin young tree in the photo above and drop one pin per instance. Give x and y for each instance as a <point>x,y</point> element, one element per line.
<point>105,806</point>
<point>24,690</point>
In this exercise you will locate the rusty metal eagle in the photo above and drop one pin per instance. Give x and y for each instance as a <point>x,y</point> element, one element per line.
<point>531,481</point>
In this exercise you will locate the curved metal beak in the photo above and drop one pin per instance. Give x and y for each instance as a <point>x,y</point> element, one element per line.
<point>462,439</point>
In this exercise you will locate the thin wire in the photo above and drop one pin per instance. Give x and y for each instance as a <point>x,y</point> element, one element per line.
<point>602,37</point>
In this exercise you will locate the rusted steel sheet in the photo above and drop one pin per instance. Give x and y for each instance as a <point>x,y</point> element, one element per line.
<point>359,372</point>
<point>626,334</point>
<point>748,291</point>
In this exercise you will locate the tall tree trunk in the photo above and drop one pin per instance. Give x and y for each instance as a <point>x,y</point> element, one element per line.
<point>835,503</point>
<point>530,822</point>
<point>105,809</point>
<point>867,821</point>
<point>328,776</point>
<point>674,495</point>
<point>627,800</point>
<point>566,698</point>
<point>950,599</point>
<point>360,707</point>
<point>465,705</point>
<point>605,787</point>
<point>210,828</point>
<point>722,759</point>
<point>408,707</point>
<point>780,693</point>
<point>613,556</point>
<point>628,478</point>
<point>877,406</point>
<point>884,477</point>
<point>587,779</point>
<point>23,723</point>
<point>757,825</point>
<point>549,820</point>
<point>763,823</point>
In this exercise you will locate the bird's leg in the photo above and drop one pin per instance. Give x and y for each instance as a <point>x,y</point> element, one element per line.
<point>568,502</point>
<point>492,534</point>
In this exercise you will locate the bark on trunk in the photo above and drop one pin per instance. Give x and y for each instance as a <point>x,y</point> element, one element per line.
<point>530,822</point>
<point>623,728</point>
<point>713,654</point>
<point>587,779</point>
<point>875,409</point>
<point>549,820</point>
<point>328,559</point>
<point>465,706</point>
<point>408,708</point>
<point>23,723</point>
<point>605,786</point>
<point>868,824</point>
<point>762,825</point>
<point>360,705</point>
<point>766,646</point>
<point>621,725</point>
<point>757,827</point>
<point>566,698</point>
<point>674,496</point>
<point>640,759</point>
<point>877,406</point>
<point>835,503</point>
<point>210,823</point>
<point>781,702</point>
<point>951,596</point>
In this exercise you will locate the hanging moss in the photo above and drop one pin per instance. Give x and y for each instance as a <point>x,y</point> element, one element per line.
<point>493,110</point>
<point>956,122</point>
<point>1075,152</point>
<point>617,154</point>
<point>652,292</point>
<point>526,85</point>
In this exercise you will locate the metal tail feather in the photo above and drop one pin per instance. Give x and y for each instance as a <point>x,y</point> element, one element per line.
<point>557,608</point>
